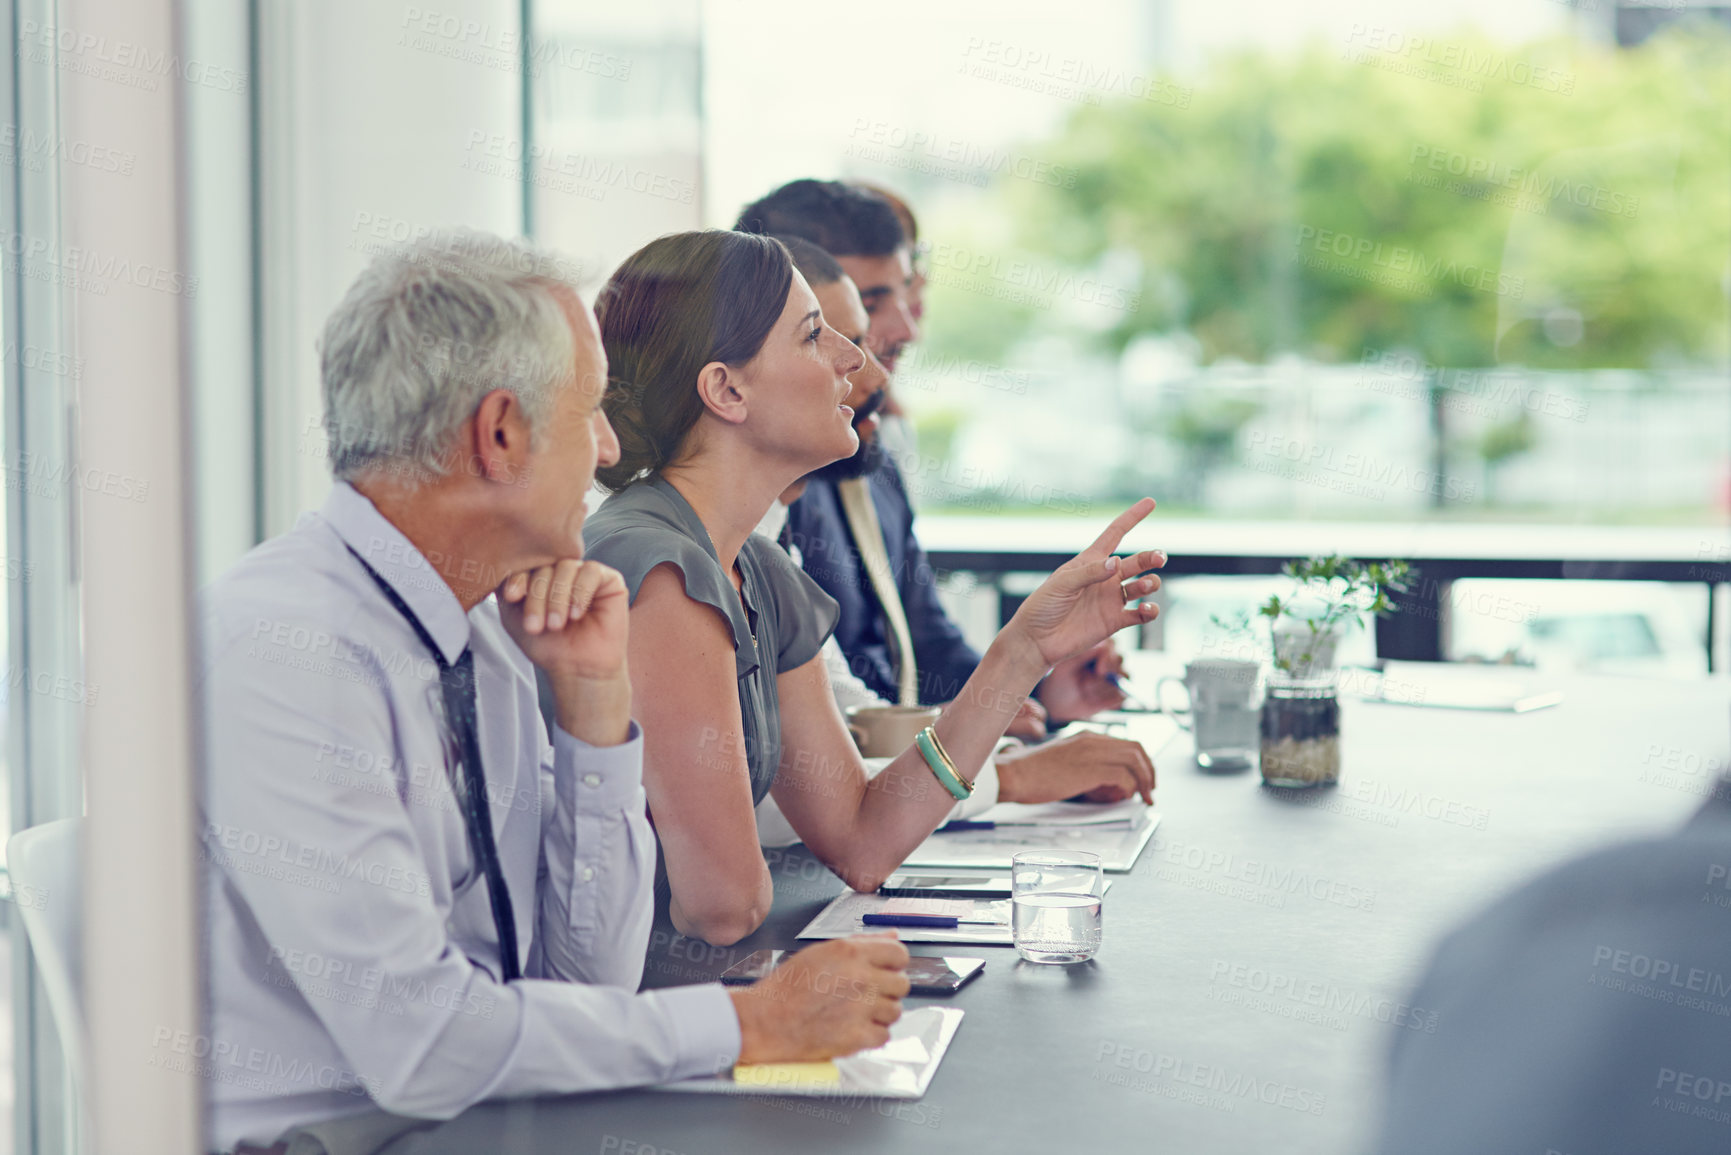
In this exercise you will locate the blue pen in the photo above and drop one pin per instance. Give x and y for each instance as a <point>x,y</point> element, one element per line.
<point>961,824</point>
<point>935,921</point>
<point>1130,705</point>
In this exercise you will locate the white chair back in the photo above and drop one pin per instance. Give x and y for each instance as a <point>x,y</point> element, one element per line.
<point>43,863</point>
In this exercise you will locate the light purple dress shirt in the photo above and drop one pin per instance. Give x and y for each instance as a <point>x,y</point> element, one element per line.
<point>353,958</point>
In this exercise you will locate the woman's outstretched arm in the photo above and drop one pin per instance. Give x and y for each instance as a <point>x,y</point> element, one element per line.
<point>862,831</point>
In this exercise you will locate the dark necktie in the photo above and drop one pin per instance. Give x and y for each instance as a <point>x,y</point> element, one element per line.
<point>458,684</point>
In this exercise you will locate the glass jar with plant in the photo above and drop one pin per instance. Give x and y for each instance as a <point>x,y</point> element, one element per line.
<point>1301,711</point>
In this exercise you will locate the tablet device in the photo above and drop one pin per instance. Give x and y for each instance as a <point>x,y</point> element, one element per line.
<point>926,975</point>
<point>941,884</point>
<point>752,967</point>
<point>941,976</point>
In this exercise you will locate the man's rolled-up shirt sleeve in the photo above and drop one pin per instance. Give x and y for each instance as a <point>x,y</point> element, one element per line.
<point>457,1035</point>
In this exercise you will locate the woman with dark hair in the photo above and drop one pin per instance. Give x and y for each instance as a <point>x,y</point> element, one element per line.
<point>725,386</point>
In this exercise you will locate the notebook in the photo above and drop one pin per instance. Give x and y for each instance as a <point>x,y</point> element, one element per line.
<point>900,1069</point>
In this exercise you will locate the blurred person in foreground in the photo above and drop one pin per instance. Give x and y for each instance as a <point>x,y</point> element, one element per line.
<point>418,900</point>
<point>1587,1013</point>
<point>855,521</point>
<point>728,386</point>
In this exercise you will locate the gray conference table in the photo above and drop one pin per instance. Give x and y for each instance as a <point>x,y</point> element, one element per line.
<point>1256,961</point>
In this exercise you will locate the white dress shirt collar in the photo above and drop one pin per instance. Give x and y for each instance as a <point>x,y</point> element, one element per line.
<point>395,558</point>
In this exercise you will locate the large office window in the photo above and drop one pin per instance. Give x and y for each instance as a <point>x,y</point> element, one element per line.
<point>614,152</point>
<point>1352,266</point>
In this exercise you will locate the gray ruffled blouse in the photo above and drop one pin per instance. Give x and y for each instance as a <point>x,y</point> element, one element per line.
<point>779,620</point>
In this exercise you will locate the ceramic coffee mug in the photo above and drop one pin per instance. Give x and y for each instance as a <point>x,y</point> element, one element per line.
<point>885,731</point>
<point>1225,705</point>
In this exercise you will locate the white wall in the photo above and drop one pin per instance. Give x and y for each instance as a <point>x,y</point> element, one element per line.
<point>365,123</point>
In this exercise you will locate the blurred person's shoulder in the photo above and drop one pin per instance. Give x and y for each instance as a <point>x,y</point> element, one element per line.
<point>1557,1010</point>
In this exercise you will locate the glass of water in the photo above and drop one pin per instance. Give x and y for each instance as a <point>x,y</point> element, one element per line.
<point>1055,905</point>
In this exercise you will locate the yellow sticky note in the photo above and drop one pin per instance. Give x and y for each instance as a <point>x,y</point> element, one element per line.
<point>787,1075</point>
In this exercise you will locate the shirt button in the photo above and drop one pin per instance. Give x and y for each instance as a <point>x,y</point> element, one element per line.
<point>591,779</point>
<point>588,874</point>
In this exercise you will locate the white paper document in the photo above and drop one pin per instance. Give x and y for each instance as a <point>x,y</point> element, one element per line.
<point>1125,813</point>
<point>1444,686</point>
<point>1118,843</point>
<point>842,918</point>
<point>900,1069</point>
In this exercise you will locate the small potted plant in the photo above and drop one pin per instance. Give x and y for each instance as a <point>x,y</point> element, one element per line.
<point>1301,711</point>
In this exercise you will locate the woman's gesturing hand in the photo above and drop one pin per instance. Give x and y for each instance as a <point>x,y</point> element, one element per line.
<point>1088,598</point>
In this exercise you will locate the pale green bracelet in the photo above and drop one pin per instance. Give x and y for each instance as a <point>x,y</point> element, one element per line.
<point>941,767</point>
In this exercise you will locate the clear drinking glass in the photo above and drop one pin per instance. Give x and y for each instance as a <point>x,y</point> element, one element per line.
<point>1055,905</point>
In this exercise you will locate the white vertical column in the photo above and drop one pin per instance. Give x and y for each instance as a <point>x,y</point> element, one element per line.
<point>121,78</point>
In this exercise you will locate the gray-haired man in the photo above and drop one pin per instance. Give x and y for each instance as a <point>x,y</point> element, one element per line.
<point>418,901</point>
